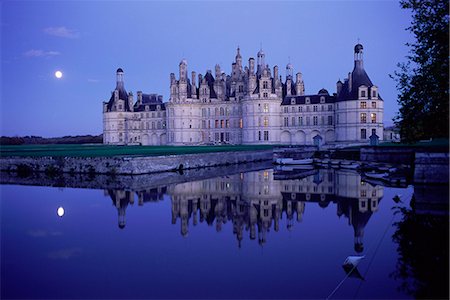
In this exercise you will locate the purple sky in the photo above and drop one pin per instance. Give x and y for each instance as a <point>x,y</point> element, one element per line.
<point>88,41</point>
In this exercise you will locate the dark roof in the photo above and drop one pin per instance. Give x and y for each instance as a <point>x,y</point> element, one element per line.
<point>150,100</point>
<point>314,99</point>
<point>210,80</point>
<point>358,48</point>
<point>119,70</point>
<point>122,95</point>
<point>284,89</point>
<point>359,78</point>
<point>151,107</point>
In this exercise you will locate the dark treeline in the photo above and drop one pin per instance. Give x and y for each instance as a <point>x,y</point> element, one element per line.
<point>30,140</point>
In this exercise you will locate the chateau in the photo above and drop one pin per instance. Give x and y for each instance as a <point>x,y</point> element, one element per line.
<point>252,105</point>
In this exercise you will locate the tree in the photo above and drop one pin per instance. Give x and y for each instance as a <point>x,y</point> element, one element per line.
<point>423,81</point>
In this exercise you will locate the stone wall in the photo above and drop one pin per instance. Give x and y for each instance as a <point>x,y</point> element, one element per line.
<point>129,165</point>
<point>394,155</point>
<point>431,168</point>
<point>125,182</point>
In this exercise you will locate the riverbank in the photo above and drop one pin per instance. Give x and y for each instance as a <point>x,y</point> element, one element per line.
<point>128,165</point>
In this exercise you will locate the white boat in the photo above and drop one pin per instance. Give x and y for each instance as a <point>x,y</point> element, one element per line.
<point>353,260</point>
<point>350,166</point>
<point>376,175</point>
<point>291,161</point>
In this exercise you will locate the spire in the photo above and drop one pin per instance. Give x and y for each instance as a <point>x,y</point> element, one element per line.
<point>239,58</point>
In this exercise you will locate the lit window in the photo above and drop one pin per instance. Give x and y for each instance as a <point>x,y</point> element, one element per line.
<point>373,118</point>
<point>266,122</point>
<point>363,104</point>
<point>266,107</point>
<point>363,118</point>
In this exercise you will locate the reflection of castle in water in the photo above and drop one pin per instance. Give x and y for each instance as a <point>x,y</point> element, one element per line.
<point>254,202</point>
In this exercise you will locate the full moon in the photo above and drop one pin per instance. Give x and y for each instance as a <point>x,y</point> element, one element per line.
<point>60,211</point>
<point>58,74</point>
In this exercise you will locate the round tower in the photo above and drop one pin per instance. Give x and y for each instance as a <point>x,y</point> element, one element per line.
<point>119,78</point>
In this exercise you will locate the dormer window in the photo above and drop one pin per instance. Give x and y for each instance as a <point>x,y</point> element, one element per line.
<point>322,99</point>
<point>363,91</point>
<point>307,100</point>
<point>146,108</point>
<point>374,94</point>
<point>292,101</point>
<point>158,107</point>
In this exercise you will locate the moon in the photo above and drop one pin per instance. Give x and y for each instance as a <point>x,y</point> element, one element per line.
<point>58,74</point>
<point>60,211</point>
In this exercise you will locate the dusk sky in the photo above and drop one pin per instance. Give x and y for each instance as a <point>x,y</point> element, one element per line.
<point>88,41</point>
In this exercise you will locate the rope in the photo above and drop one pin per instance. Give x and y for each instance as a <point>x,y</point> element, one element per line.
<point>375,253</point>
<point>370,263</point>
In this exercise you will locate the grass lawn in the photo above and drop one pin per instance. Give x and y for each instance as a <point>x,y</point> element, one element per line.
<point>105,150</point>
<point>433,143</point>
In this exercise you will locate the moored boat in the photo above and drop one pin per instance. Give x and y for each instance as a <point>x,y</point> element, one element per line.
<point>291,161</point>
<point>376,175</point>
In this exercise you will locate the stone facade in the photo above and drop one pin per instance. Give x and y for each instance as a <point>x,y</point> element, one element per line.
<point>252,105</point>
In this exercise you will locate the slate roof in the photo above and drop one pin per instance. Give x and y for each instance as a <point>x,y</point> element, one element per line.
<point>210,80</point>
<point>359,77</point>
<point>314,99</point>
<point>122,95</point>
<point>150,100</point>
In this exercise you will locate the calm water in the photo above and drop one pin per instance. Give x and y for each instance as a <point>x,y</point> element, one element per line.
<point>258,234</point>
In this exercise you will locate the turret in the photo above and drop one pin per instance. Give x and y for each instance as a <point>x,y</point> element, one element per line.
<point>359,56</point>
<point>119,79</point>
